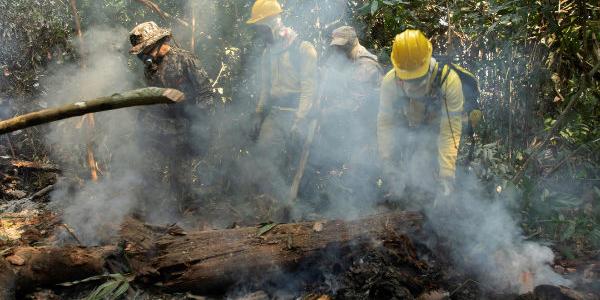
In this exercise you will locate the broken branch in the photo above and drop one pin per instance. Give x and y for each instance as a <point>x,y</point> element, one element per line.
<point>145,96</point>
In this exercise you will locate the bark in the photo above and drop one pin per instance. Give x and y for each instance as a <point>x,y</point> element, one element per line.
<point>146,96</point>
<point>203,261</point>
<point>25,268</point>
<point>214,260</point>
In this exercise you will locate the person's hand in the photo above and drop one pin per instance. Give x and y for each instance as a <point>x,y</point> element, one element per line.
<point>446,187</point>
<point>445,194</point>
<point>256,120</point>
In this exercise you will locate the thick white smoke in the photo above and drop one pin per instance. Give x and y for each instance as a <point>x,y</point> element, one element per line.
<point>95,208</point>
<point>484,237</point>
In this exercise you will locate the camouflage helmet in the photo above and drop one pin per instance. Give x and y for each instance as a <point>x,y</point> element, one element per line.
<point>145,35</point>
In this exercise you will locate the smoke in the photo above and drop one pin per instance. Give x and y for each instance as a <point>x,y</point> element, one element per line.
<point>484,239</point>
<point>94,209</point>
<point>342,179</point>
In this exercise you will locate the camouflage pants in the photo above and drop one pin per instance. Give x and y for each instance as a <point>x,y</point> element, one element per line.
<point>167,152</point>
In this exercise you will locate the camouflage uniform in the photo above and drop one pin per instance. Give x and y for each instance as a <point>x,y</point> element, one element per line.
<point>167,129</point>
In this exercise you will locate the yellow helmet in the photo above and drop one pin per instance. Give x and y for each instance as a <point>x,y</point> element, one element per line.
<point>411,54</point>
<point>263,9</point>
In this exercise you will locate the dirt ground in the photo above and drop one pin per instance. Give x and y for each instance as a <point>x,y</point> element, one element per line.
<point>403,268</point>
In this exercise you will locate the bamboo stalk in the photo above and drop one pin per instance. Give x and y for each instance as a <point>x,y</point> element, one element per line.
<point>145,96</point>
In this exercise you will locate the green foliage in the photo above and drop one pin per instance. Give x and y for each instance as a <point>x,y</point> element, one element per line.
<point>112,289</point>
<point>33,33</point>
<point>530,56</point>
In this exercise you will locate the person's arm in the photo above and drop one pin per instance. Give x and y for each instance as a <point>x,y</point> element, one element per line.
<point>365,83</point>
<point>199,80</point>
<point>387,117</point>
<point>308,80</point>
<point>450,125</point>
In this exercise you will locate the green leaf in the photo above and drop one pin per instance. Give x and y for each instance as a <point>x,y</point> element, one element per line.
<point>120,291</point>
<point>103,290</point>
<point>266,228</point>
<point>93,278</point>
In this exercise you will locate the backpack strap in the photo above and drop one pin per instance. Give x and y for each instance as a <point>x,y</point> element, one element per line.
<point>438,82</point>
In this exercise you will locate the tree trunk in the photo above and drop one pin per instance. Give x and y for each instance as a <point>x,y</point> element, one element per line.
<point>146,96</point>
<point>203,261</point>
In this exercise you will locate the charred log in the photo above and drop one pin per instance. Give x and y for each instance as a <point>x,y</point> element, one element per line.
<point>25,268</point>
<point>204,261</point>
<point>211,261</point>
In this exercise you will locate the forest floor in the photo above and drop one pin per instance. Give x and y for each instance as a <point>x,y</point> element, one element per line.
<point>402,267</point>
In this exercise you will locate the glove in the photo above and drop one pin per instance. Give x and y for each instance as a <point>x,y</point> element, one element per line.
<point>446,187</point>
<point>256,120</point>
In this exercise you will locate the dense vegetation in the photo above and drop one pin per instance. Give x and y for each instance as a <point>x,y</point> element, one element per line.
<point>537,61</point>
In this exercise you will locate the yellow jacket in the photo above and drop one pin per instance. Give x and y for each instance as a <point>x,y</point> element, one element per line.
<point>282,77</point>
<point>398,110</point>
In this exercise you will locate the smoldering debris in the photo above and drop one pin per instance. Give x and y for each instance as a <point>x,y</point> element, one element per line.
<point>92,207</point>
<point>482,234</point>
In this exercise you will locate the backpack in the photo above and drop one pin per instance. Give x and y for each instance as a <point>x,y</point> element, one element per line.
<point>470,88</point>
<point>471,93</point>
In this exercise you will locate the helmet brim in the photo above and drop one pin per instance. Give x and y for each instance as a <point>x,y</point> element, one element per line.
<point>412,74</point>
<point>139,48</point>
<point>262,18</point>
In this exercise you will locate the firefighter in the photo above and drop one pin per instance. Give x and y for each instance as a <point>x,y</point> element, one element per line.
<point>346,144</point>
<point>419,122</point>
<point>288,78</point>
<point>166,129</point>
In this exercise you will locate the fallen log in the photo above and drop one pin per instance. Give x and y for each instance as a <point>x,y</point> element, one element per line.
<point>211,261</point>
<point>203,261</point>
<point>145,96</point>
<point>25,268</point>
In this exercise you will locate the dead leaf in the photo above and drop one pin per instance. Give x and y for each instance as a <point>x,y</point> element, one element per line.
<point>17,194</point>
<point>318,226</point>
<point>16,260</point>
<point>434,295</point>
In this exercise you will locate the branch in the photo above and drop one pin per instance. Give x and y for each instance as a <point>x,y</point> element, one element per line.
<point>146,96</point>
<point>153,6</point>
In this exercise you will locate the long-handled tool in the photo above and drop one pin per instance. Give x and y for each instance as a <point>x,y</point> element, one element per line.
<point>312,129</point>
